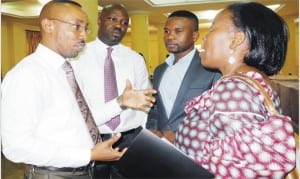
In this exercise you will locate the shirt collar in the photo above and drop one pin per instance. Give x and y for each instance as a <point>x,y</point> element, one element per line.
<point>50,57</point>
<point>186,59</point>
<point>103,45</point>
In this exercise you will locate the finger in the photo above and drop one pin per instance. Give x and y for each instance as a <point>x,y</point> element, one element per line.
<point>114,138</point>
<point>150,92</point>
<point>119,154</point>
<point>151,99</point>
<point>145,109</point>
<point>148,104</point>
<point>123,151</point>
<point>128,85</point>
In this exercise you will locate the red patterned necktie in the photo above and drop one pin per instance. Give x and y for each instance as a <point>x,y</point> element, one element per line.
<point>85,111</point>
<point>110,86</point>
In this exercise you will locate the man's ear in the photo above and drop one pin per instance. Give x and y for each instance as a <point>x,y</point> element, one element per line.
<point>99,19</point>
<point>47,25</point>
<point>195,36</point>
<point>239,38</point>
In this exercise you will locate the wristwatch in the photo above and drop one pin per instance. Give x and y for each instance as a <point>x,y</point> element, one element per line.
<point>120,102</point>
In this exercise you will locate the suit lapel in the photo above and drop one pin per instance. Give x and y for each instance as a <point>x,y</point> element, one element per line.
<point>157,80</point>
<point>186,81</point>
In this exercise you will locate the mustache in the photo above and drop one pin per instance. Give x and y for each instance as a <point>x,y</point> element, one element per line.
<point>119,30</point>
<point>171,44</point>
<point>82,43</point>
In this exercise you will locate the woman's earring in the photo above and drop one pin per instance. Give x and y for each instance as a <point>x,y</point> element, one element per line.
<point>231,59</point>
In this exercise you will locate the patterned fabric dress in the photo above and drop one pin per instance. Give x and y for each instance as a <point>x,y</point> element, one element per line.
<point>229,131</point>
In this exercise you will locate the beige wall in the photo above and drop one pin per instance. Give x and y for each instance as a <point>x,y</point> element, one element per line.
<point>152,61</point>
<point>13,44</point>
<point>13,40</point>
<point>291,66</point>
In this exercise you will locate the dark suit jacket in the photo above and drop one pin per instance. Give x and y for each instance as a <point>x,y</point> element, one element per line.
<point>196,80</point>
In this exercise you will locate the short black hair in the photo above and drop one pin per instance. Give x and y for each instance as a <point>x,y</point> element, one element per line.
<point>266,32</point>
<point>186,14</point>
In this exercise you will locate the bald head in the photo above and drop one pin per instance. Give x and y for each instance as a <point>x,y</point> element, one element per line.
<point>113,23</point>
<point>108,8</point>
<point>63,26</point>
<point>55,8</point>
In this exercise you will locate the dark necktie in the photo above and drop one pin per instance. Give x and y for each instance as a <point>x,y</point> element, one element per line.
<point>85,111</point>
<point>110,86</point>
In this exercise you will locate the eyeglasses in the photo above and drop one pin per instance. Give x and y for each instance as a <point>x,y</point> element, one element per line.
<point>76,27</point>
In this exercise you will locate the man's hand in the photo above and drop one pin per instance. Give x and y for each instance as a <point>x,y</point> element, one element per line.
<point>104,151</point>
<point>137,99</point>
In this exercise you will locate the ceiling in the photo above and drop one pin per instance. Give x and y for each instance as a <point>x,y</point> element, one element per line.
<point>157,15</point>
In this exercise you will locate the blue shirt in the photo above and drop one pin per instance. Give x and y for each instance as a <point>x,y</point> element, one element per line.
<point>172,79</point>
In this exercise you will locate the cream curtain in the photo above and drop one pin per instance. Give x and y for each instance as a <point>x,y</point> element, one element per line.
<point>33,39</point>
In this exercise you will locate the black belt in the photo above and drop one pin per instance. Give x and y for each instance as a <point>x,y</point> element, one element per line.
<point>65,169</point>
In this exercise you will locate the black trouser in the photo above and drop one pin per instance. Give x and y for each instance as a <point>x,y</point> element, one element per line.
<point>104,170</point>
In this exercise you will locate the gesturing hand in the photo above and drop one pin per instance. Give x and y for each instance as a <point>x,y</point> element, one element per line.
<point>104,151</point>
<point>137,99</point>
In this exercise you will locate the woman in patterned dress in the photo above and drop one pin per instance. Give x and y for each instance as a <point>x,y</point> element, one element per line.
<point>228,129</point>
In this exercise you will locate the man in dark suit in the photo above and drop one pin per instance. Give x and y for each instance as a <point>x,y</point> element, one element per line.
<point>181,77</point>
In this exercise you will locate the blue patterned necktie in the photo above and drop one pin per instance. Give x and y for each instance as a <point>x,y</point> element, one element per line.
<point>85,111</point>
<point>110,86</point>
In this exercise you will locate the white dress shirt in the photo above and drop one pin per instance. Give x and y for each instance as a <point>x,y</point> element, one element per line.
<point>173,76</point>
<point>41,123</point>
<point>89,71</point>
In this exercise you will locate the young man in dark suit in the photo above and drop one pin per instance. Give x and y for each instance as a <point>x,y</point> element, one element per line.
<point>181,77</point>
